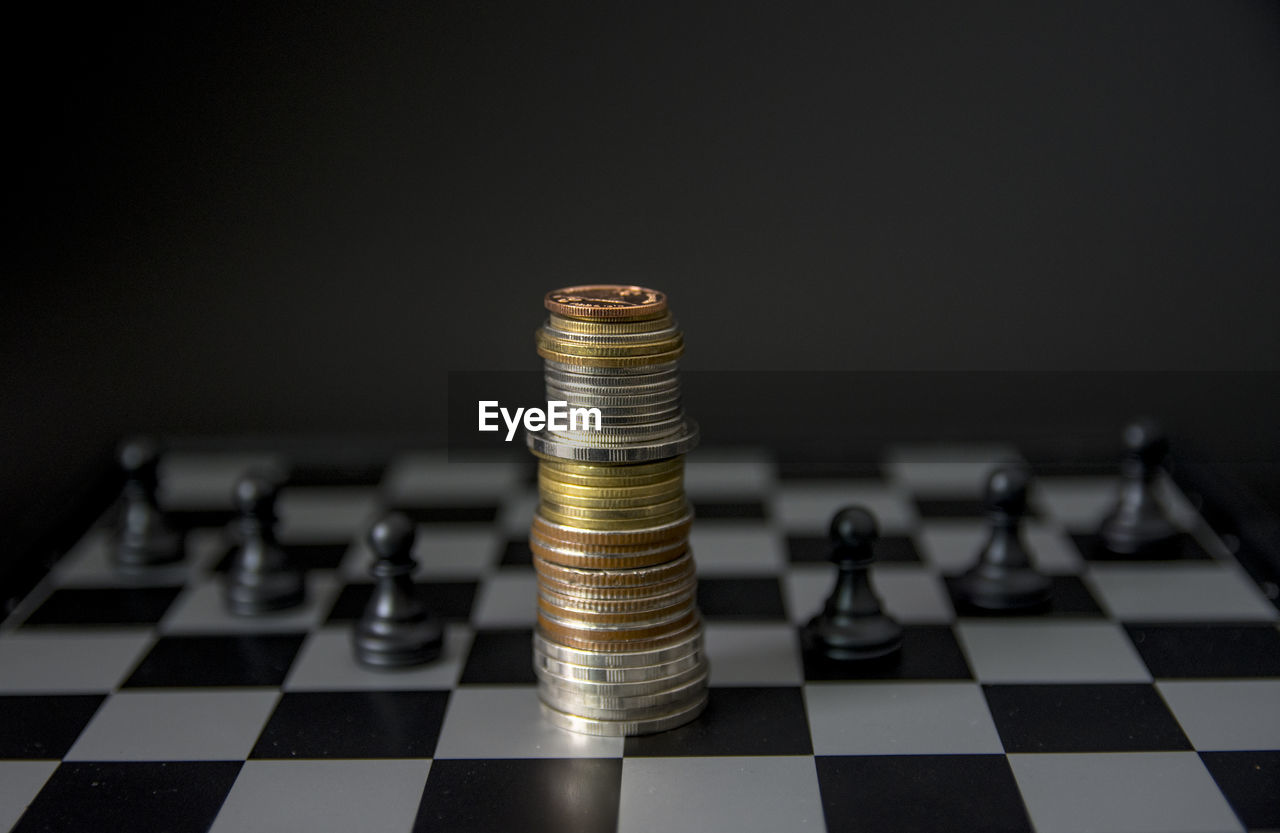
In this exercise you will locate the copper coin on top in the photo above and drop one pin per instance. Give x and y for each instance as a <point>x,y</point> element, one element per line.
<point>606,302</point>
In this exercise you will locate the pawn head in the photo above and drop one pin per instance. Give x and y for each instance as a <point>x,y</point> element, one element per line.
<point>1007,489</point>
<point>138,455</point>
<point>255,493</point>
<point>853,527</point>
<point>392,535</point>
<point>1145,440</point>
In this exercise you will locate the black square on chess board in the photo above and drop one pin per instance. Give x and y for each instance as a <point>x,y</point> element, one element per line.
<point>44,726</point>
<point>549,795</point>
<point>920,793</point>
<point>306,556</point>
<point>738,721</point>
<point>143,796</point>
<point>752,599</point>
<point>1083,718</point>
<point>816,549</point>
<point>929,652</point>
<point>230,660</point>
<point>446,599</point>
<point>353,724</point>
<point>1220,649</point>
<point>1122,707</point>
<point>1070,598</point>
<point>105,606</point>
<point>1249,779</point>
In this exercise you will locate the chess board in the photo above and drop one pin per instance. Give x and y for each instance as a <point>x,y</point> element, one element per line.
<point>1146,699</point>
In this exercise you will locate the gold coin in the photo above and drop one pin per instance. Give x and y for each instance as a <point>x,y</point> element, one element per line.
<point>657,487</point>
<point>606,302</point>
<point>670,543</point>
<point>634,513</point>
<point>678,569</point>
<point>578,326</point>
<point>635,502</point>
<point>610,361</point>
<point>606,562</point>
<point>552,529</point>
<point>577,348</point>
<point>612,524</point>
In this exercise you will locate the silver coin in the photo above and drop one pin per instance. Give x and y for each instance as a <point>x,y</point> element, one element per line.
<point>589,674</point>
<point>625,728</point>
<point>624,434</point>
<point>618,659</point>
<point>628,400</point>
<point>630,688</point>
<point>637,417</point>
<point>611,386</point>
<point>642,406</point>
<point>679,443</point>
<point>584,610</point>
<point>551,366</point>
<point>642,604</point>
<point>593,705</point>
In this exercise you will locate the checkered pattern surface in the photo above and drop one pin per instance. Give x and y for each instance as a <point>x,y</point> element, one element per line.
<point>1146,699</point>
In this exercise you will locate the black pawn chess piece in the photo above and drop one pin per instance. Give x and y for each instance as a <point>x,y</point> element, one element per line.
<point>1003,578</point>
<point>145,538</point>
<point>262,578</point>
<point>1138,525</point>
<point>397,629</point>
<point>852,625</point>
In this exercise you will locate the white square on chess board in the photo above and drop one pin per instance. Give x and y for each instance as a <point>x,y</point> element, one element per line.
<point>324,796</point>
<point>175,726</point>
<point>911,718</point>
<point>426,478</point>
<point>507,722</point>
<point>947,470</point>
<point>1172,592</point>
<point>1051,652</point>
<point>805,507</point>
<point>723,795</point>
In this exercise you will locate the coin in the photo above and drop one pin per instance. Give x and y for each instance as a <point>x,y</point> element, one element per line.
<point>651,534</point>
<point>579,326</point>
<point>591,674</point>
<point>597,491</point>
<point>606,302</point>
<point>624,727</point>
<point>682,441</point>
<point>679,567</point>
<point>576,686</point>
<point>569,558</point>
<point>631,706</point>
<point>630,639</point>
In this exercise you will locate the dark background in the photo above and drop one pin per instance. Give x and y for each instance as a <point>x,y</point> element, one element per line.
<point>296,222</point>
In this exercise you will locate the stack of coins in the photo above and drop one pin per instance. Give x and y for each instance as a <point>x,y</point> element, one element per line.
<point>618,648</point>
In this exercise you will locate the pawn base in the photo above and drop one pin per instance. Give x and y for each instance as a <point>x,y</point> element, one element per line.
<point>1019,588</point>
<point>1146,536</point>
<point>397,644</point>
<point>155,550</point>
<point>266,594</point>
<point>848,639</point>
